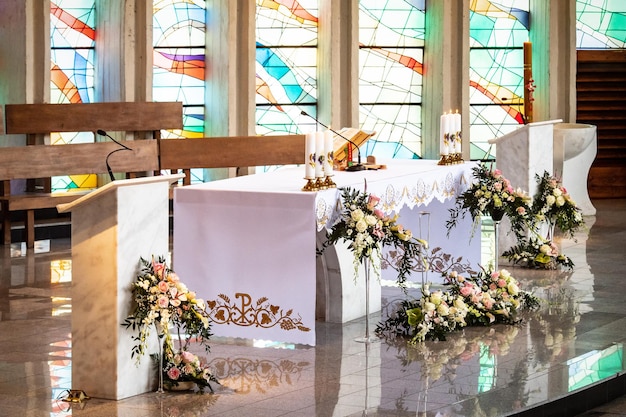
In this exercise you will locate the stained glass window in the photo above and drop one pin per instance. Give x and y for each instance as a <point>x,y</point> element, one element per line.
<point>179,63</point>
<point>286,64</point>
<point>600,24</point>
<point>498,30</point>
<point>179,59</point>
<point>391,41</point>
<point>72,53</point>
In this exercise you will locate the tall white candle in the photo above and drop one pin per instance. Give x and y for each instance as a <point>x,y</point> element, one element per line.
<point>319,154</point>
<point>457,132</point>
<point>328,153</point>
<point>309,155</point>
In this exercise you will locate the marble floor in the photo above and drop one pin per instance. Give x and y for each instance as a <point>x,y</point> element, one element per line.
<point>566,359</point>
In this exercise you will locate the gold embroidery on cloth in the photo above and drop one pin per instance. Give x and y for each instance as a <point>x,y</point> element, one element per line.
<point>245,313</point>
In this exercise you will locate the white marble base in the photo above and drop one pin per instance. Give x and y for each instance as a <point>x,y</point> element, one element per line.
<point>575,149</point>
<point>111,230</point>
<point>521,155</point>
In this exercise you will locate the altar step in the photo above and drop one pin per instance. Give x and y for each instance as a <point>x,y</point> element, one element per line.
<point>601,101</point>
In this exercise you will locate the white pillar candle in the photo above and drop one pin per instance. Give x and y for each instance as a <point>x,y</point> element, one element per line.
<point>457,132</point>
<point>329,151</point>
<point>309,155</point>
<point>319,154</point>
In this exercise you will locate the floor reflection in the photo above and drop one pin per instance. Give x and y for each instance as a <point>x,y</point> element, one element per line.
<point>575,340</point>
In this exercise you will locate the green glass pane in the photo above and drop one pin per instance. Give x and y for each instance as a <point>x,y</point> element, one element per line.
<point>600,24</point>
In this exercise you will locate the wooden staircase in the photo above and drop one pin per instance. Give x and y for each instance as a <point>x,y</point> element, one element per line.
<point>601,101</point>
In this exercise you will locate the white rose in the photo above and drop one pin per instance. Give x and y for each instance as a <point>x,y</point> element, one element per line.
<point>371,220</point>
<point>361,226</point>
<point>436,297</point>
<point>557,192</point>
<point>560,201</point>
<point>357,215</point>
<point>550,200</point>
<point>443,310</point>
<point>513,288</point>
<point>429,307</point>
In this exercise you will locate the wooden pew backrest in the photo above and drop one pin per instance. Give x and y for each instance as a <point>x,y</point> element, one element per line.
<point>75,159</point>
<point>228,152</point>
<point>89,117</point>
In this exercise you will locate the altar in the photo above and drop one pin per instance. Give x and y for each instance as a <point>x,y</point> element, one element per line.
<point>247,245</point>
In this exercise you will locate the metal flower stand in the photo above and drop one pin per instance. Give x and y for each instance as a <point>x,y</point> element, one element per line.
<point>367,338</point>
<point>496,216</point>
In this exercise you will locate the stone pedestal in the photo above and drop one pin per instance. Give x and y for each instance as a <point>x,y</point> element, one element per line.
<point>112,228</point>
<point>521,155</point>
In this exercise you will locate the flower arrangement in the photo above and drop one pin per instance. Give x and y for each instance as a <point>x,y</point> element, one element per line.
<point>491,194</point>
<point>537,253</point>
<point>162,301</point>
<point>368,229</point>
<point>552,204</point>
<point>184,366</point>
<point>481,299</point>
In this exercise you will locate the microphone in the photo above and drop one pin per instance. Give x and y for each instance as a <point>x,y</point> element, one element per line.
<point>359,166</point>
<point>123,148</point>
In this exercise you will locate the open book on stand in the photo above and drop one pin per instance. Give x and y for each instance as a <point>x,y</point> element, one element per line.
<point>343,149</point>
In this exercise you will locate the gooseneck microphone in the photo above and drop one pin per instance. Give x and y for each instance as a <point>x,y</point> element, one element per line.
<point>123,148</point>
<point>359,166</point>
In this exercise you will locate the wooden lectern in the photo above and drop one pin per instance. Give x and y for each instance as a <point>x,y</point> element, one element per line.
<point>112,227</point>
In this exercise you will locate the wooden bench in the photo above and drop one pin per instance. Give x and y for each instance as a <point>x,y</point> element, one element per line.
<point>229,152</point>
<point>34,161</point>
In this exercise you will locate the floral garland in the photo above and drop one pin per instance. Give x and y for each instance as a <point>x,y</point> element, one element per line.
<point>367,230</point>
<point>162,301</point>
<point>481,299</point>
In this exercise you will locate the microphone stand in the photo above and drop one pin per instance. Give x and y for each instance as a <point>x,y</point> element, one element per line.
<point>358,166</point>
<point>123,148</point>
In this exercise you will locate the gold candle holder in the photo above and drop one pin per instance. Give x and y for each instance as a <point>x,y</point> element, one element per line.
<point>445,160</point>
<point>319,183</point>
<point>310,185</point>
<point>329,183</point>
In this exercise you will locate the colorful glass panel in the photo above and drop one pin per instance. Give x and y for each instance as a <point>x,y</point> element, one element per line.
<point>72,55</point>
<point>179,57</point>
<point>391,40</point>
<point>286,64</point>
<point>498,30</point>
<point>600,24</point>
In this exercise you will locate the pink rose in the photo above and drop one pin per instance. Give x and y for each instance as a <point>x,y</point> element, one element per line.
<point>501,283</point>
<point>187,356</point>
<point>163,301</point>
<point>163,287</point>
<point>173,373</point>
<point>378,213</point>
<point>158,269</point>
<point>372,202</point>
<point>466,290</point>
<point>521,210</point>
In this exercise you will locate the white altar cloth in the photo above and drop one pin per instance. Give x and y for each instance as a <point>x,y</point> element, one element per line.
<point>247,244</point>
